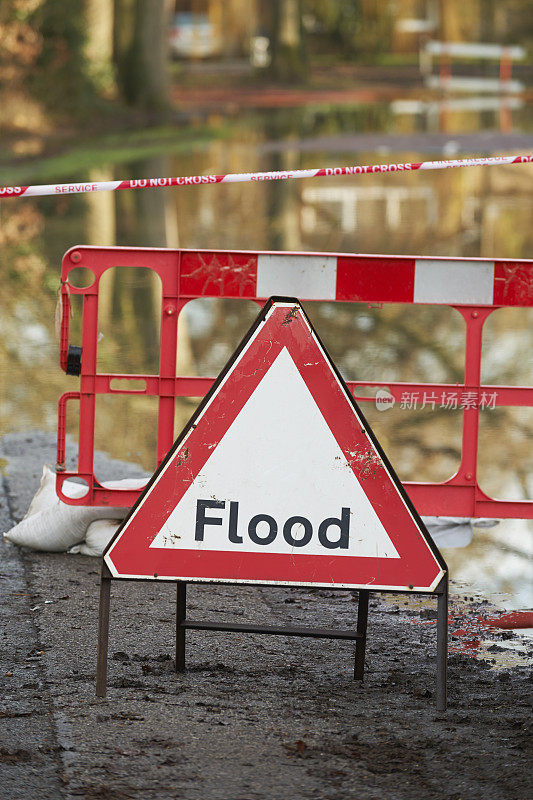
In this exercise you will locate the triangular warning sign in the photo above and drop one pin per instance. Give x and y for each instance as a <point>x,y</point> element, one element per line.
<point>277,478</point>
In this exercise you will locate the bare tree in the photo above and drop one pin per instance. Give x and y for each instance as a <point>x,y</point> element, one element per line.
<point>141,52</point>
<point>450,20</point>
<point>289,61</point>
<point>99,41</point>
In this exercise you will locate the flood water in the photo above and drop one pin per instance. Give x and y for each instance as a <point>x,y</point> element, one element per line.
<point>468,213</point>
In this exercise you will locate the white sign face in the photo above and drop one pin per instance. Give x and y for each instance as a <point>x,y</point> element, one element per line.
<point>274,480</point>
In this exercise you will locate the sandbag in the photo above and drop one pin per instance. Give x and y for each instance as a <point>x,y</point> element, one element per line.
<point>50,525</point>
<point>455,531</point>
<point>99,534</point>
<point>57,528</point>
<point>46,494</point>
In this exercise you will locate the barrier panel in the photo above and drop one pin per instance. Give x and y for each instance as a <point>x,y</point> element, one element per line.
<point>474,287</point>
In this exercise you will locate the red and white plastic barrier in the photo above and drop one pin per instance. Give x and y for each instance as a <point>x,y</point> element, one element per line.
<point>474,287</point>
<point>246,177</point>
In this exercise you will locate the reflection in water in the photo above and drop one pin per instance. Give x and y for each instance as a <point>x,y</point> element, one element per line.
<point>475,212</point>
<point>497,563</point>
<point>441,115</point>
<point>132,296</point>
<point>348,206</point>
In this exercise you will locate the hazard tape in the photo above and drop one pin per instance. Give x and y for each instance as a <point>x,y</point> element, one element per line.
<point>83,187</point>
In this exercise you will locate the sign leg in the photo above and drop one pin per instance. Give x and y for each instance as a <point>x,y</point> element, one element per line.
<point>181,609</point>
<point>103,633</point>
<point>360,644</point>
<point>442,646</point>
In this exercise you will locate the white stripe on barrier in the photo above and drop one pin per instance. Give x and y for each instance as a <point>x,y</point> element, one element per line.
<point>306,277</point>
<point>450,281</point>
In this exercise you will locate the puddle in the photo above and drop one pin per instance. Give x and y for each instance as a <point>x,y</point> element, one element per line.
<point>515,652</point>
<point>474,626</point>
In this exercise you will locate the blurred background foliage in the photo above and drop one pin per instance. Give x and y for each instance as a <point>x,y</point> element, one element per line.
<point>71,56</point>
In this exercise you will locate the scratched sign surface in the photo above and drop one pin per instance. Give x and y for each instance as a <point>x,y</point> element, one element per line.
<point>277,478</point>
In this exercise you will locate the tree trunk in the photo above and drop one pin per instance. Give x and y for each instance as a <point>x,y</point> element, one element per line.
<point>141,52</point>
<point>99,44</point>
<point>288,50</point>
<point>450,21</point>
<point>60,77</point>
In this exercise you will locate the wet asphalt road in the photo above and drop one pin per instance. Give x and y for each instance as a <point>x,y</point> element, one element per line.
<point>254,717</point>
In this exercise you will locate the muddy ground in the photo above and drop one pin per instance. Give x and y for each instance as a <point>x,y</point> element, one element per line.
<point>254,717</point>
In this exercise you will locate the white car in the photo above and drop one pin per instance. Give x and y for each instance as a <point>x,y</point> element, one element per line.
<point>193,36</point>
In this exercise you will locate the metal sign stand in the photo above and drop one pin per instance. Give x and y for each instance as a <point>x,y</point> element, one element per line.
<point>359,635</point>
